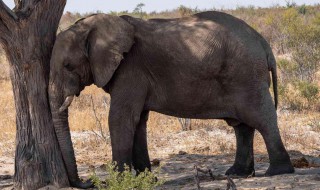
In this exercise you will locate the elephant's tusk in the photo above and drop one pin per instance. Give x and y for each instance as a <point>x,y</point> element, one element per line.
<point>66,104</point>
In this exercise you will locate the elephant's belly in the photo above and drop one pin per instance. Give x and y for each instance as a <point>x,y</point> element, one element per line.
<point>203,103</point>
<point>198,114</point>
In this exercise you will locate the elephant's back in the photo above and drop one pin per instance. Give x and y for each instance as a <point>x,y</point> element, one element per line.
<point>211,41</point>
<point>244,35</point>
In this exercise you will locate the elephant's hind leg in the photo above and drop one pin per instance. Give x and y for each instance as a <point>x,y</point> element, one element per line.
<point>244,162</point>
<point>279,158</point>
<point>140,159</point>
<point>263,117</point>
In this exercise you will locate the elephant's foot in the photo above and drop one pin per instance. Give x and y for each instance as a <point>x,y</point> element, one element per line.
<point>279,169</point>
<point>82,184</point>
<point>242,171</point>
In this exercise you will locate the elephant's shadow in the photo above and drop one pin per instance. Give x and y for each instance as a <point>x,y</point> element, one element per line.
<point>179,171</point>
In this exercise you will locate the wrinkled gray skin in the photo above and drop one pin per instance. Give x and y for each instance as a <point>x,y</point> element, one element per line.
<point>207,66</point>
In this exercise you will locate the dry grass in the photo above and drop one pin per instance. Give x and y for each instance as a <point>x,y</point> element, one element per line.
<point>81,111</point>
<point>7,119</point>
<point>300,131</point>
<point>7,110</point>
<point>4,67</point>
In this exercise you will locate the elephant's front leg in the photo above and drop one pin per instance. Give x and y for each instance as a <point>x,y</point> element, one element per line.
<point>244,162</point>
<point>140,159</point>
<point>122,123</point>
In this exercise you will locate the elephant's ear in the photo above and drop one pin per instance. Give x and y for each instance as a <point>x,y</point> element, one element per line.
<point>110,38</point>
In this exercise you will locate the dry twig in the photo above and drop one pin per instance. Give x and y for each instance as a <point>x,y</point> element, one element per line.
<point>231,185</point>
<point>196,177</point>
<point>101,134</point>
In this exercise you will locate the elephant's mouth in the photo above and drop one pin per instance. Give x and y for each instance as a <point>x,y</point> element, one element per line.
<point>67,102</point>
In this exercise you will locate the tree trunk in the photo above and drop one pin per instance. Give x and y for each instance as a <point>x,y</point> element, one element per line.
<point>27,36</point>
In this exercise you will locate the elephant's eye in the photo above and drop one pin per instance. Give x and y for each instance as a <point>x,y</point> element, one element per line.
<point>68,66</point>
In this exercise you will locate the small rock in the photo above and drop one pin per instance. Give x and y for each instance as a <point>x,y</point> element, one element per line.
<point>5,177</point>
<point>155,162</point>
<point>182,152</point>
<point>91,168</point>
<point>103,167</point>
<point>300,163</point>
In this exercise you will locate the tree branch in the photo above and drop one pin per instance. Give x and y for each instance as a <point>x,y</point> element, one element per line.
<point>18,5</point>
<point>24,8</point>
<point>7,20</point>
<point>6,13</point>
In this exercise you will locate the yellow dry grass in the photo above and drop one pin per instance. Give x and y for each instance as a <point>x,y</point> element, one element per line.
<point>7,118</point>
<point>81,114</point>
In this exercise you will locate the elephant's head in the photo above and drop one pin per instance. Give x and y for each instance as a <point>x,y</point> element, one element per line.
<point>88,52</point>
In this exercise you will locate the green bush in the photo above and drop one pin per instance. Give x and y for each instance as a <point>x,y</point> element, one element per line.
<point>290,4</point>
<point>288,69</point>
<point>309,91</point>
<point>126,180</point>
<point>299,95</point>
<point>185,11</point>
<point>281,90</point>
<point>291,98</point>
<point>302,9</point>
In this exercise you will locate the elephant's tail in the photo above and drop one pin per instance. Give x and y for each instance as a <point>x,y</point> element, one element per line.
<point>273,68</point>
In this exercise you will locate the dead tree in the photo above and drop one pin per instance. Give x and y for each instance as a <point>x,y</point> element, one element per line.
<point>27,34</point>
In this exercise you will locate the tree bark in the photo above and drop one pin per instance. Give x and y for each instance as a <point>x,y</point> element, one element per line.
<point>27,35</point>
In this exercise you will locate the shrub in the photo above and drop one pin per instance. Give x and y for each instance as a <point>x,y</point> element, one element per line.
<point>291,98</point>
<point>184,11</point>
<point>281,90</point>
<point>299,95</point>
<point>290,4</point>
<point>287,69</point>
<point>309,91</point>
<point>138,11</point>
<point>126,180</point>
<point>302,9</point>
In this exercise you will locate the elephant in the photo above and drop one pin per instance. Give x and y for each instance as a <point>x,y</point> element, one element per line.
<point>210,65</point>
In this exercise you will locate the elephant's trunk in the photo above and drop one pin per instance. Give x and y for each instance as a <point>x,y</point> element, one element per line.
<point>61,125</point>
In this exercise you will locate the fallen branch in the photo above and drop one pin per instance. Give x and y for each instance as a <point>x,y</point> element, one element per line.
<point>196,178</point>
<point>209,171</point>
<point>231,185</point>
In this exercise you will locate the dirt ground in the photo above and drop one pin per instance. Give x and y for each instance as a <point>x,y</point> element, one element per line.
<point>179,173</point>
<point>178,166</point>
